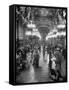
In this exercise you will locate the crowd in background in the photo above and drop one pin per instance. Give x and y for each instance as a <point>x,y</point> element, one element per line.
<point>57,60</point>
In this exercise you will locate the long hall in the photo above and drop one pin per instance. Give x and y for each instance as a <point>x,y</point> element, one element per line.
<point>40,44</point>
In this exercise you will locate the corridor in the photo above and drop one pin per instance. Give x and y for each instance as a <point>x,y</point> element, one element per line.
<point>40,44</point>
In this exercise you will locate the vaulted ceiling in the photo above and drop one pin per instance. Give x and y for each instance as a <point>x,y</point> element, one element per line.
<point>45,19</point>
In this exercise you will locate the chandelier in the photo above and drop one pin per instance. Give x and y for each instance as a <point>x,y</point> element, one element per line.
<point>31,25</point>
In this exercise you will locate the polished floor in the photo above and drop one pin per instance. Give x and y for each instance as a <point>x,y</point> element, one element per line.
<point>34,75</point>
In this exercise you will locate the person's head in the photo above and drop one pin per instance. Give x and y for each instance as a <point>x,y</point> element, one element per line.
<point>57,49</point>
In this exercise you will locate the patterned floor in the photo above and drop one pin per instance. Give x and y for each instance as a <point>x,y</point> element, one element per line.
<point>34,74</point>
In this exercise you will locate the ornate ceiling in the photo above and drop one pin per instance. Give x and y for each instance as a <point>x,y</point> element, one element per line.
<point>45,19</point>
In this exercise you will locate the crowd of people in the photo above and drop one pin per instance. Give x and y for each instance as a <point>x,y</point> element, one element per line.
<point>57,64</point>
<point>26,56</point>
<point>57,61</point>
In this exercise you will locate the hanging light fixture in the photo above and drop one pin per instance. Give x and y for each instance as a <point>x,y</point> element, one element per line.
<point>55,35</point>
<point>61,26</point>
<point>35,30</point>
<point>31,25</point>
